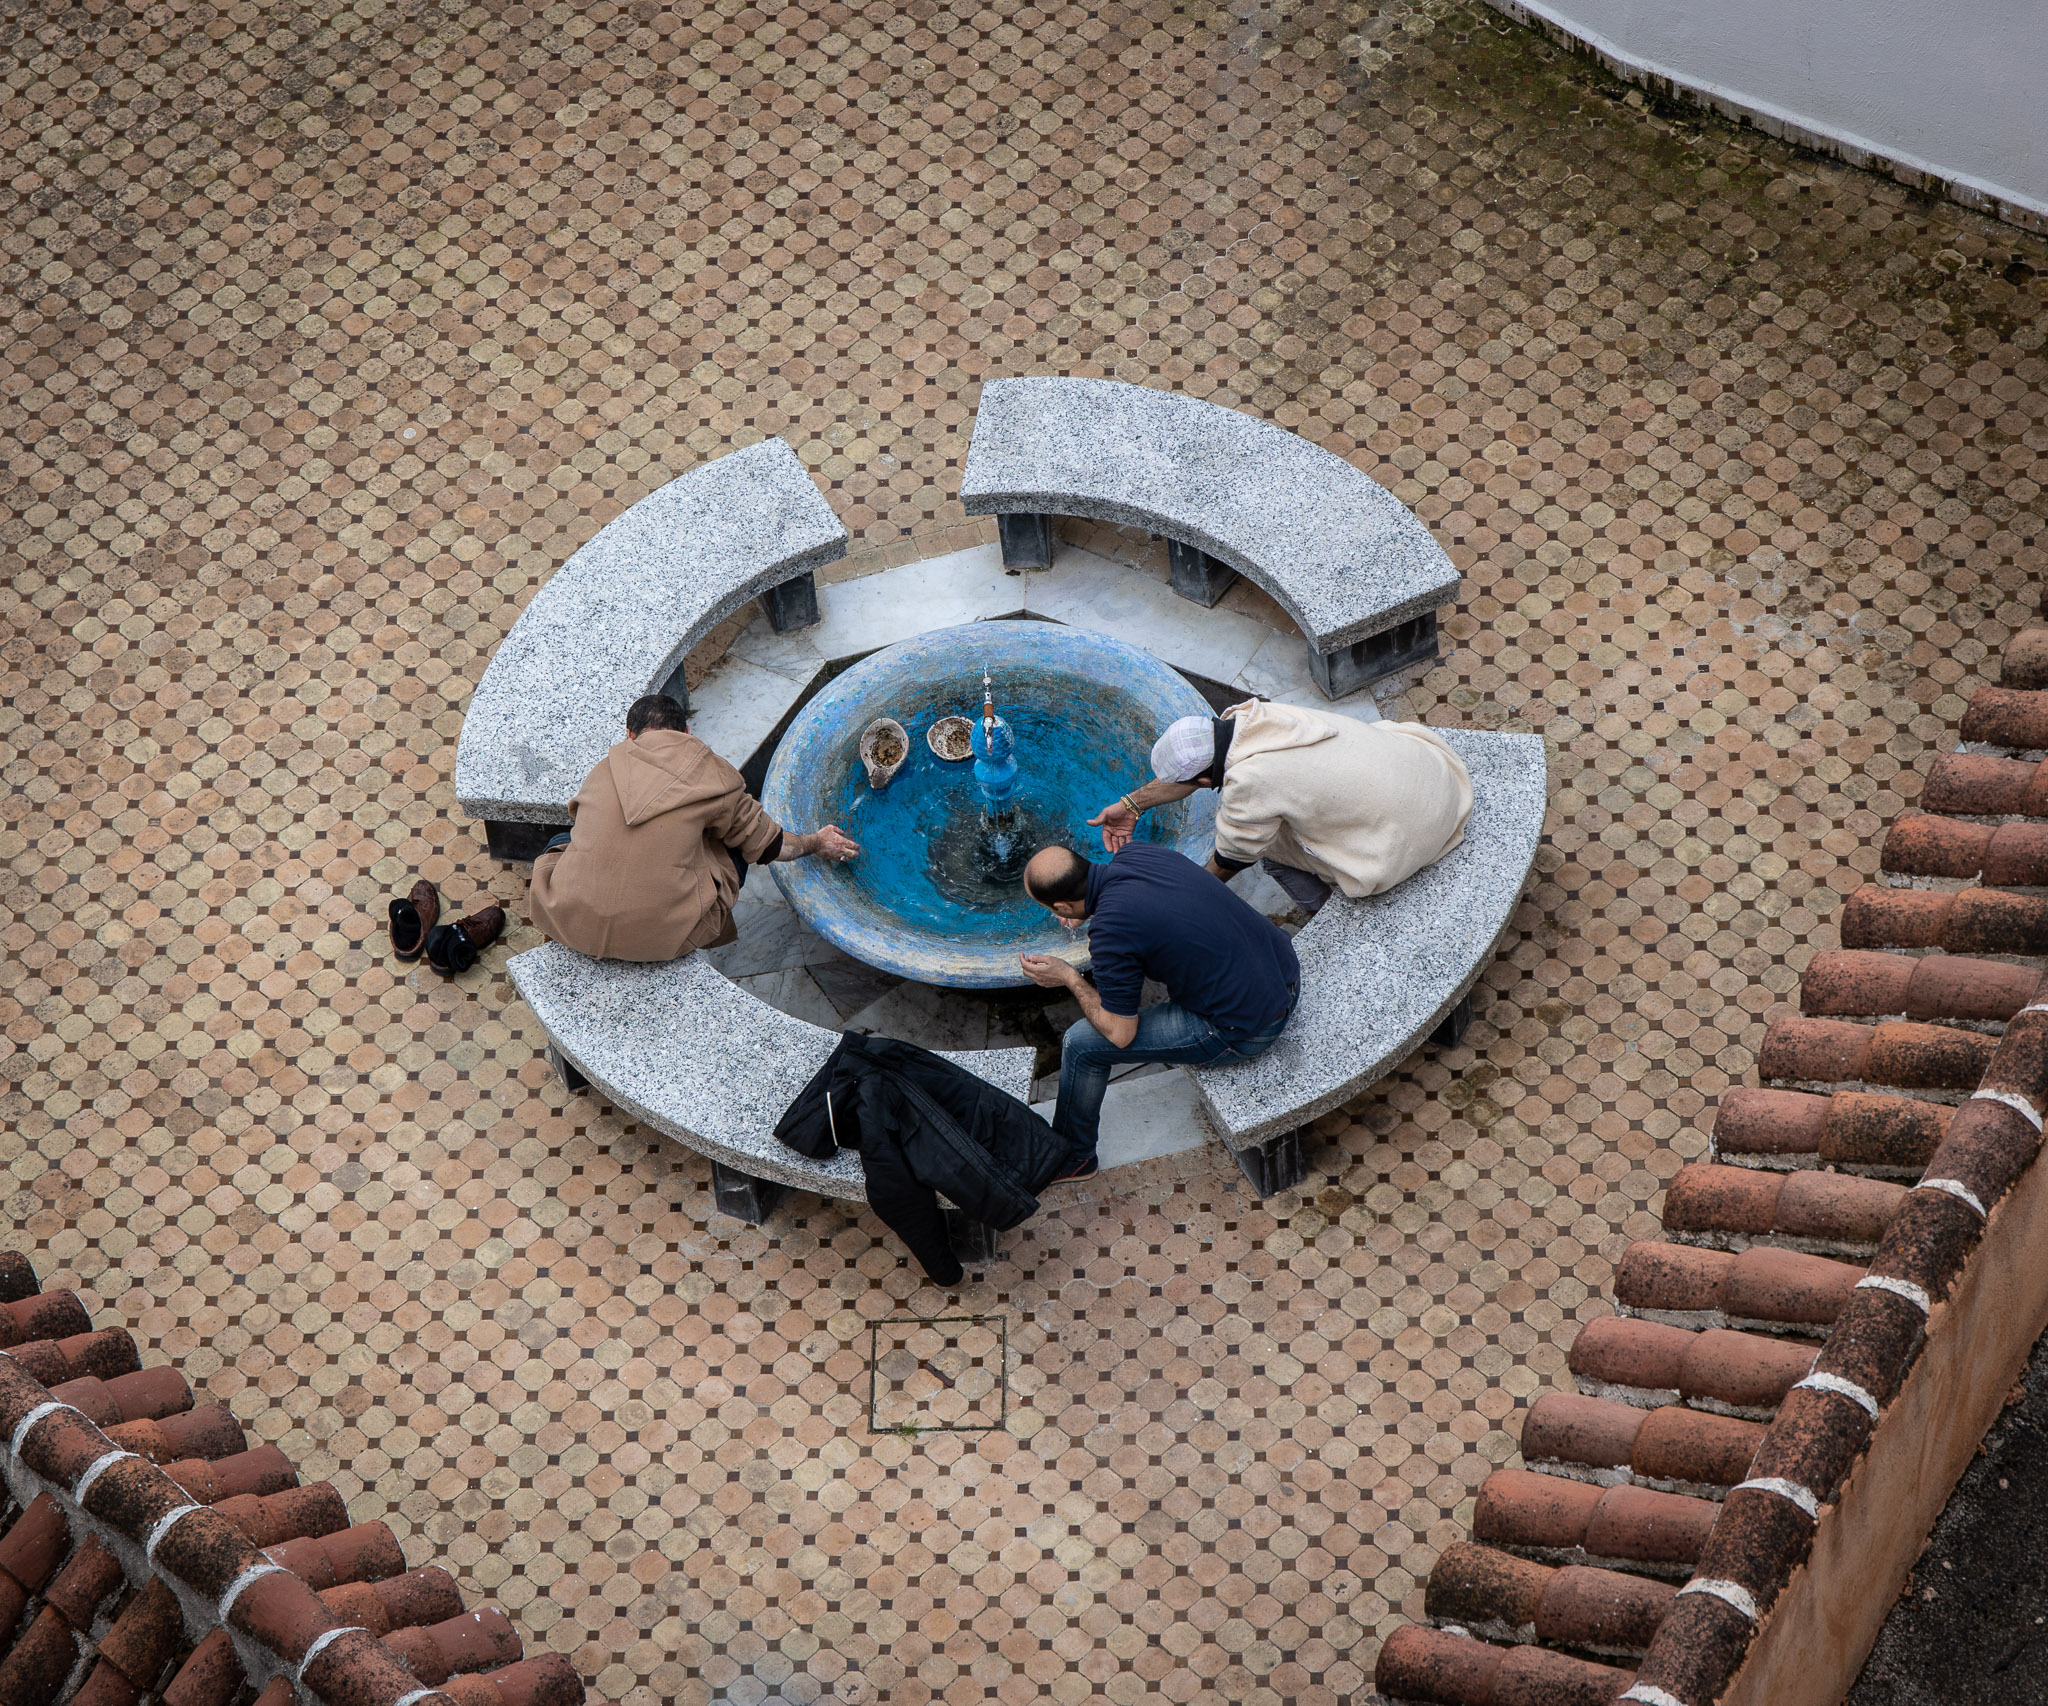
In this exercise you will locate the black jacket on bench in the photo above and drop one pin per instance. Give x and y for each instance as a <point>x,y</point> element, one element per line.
<point>925,1127</point>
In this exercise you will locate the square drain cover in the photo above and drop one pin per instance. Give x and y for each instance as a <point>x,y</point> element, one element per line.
<point>946,1375</point>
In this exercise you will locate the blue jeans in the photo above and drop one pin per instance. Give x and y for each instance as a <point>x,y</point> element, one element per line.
<point>1165,1032</point>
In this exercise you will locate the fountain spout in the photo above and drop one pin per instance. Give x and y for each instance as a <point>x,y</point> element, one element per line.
<point>995,763</point>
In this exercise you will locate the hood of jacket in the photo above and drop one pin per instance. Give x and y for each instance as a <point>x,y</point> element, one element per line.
<point>661,770</point>
<point>1262,726</point>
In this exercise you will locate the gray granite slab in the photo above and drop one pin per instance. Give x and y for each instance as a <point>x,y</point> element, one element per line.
<point>614,621</point>
<point>1342,555</point>
<point>682,1048</point>
<point>1378,975</point>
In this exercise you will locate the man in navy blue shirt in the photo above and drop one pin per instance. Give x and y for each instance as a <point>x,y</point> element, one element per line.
<point>1231,976</point>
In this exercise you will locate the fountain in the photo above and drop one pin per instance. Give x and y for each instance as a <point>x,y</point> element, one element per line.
<point>937,893</point>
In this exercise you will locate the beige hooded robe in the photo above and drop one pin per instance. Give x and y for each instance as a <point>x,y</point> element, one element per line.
<point>1362,805</point>
<point>647,875</point>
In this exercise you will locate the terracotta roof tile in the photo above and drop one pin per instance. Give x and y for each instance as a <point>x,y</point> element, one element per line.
<point>1928,1243</point>
<point>17,1277</point>
<point>1839,1210</point>
<point>210,1676</point>
<point>1730,1208</point>
<point>1933,846</point>
<point>1749,1373</point>
<point>2006,855</point>
<point>1873,1342</point>
<point>1484,1586</point>
<point>1647,1363</point>
<point>81,1587</point>
<point>545,1680</point>
<point>1606,1441</point>
<point>1969,921</point>
<point>1698,1646</point>
<point>1563,1520</point>
<point>1969,784</point>
<point>1855,983</point>
<point>97,1443</point>
<point>1601,1611</point>
<point>40,1661</point>
<point>1814,1439</point>
<point>297,1513</point>
<point>1691,1287</point>
<point>2020,1068</point>
<point>397,1602</point>
<point>51,1362</point>
<point>1889,1133</point>
<point>1898,1053</point>
<point>143,1638</point>
<point>1757,1543</point>
<point>479,1640</point>
<point>1428,1665</point>
<point>1425,1664</point>
<point>365,1553</point>
<point>1515,1598</point>
<point>2025,660</point>
<point>264,1470</point>
<point>1988,1145</point>
<point>1656,1390</point>
<point>1583,1434</point>
<point>1857,1129</point>
<point>209,1434</point>
<point>1876,917</point>
<point>48,1315</point>
<point>1684,1448</point>
<point>2011,717</point>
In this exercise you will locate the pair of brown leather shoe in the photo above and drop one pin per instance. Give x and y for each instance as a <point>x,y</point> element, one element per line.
<point>449,948</point>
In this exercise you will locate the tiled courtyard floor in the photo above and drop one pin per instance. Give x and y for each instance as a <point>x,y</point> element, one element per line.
<point>331,331</point>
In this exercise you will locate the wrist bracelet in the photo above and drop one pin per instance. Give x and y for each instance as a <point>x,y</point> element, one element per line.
<point>1130,805</point>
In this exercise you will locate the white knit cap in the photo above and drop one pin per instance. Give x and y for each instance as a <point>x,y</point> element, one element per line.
<point>1186,750</point>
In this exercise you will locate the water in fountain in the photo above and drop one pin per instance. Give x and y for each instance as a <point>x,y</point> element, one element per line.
<point>937,891</point>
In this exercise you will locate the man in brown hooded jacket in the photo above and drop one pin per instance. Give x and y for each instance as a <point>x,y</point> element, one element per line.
<point>665,829</point>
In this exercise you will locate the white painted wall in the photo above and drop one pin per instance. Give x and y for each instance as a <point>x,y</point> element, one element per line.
<point>1954,91</point>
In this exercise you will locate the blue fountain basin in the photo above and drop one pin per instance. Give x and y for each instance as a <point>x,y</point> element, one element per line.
<point>1084,709</point>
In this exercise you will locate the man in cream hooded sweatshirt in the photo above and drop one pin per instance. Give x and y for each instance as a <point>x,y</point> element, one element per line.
<point>1324,800</point>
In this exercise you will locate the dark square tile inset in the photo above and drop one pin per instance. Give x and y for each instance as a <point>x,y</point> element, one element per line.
<point>949,1374</point>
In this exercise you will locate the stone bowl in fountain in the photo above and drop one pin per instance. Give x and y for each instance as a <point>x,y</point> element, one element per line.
<point>935,894</point>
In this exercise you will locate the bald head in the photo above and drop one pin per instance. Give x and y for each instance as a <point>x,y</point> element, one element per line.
<point>1056,877</point>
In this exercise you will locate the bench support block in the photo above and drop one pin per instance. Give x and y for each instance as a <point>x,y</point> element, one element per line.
<point>973,1241</point>
<point>793,604</point>
<point>519,843</point>
<point>565,1070</point>
<point>1197,575</point>
<point>677,687</point>
<point>743,1196</point>
<point>1451,1031</point>
<point>1273,1166</point>
<point>1365,661</point>
<point>1026,539</point>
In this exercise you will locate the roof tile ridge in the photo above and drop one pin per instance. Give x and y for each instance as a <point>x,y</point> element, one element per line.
<point>1826,1422</point>
<point>1766,1521</point>
<point>129,1505</point>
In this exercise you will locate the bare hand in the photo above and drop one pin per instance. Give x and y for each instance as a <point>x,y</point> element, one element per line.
<point>836,845</point>
<point>1117,822</point>
<point>1047,972</point>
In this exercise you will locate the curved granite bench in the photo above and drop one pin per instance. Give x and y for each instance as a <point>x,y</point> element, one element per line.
<point>1378,976</point>
<point>682,1048</point>
<point>1345,558</point>
<point>615,621</point>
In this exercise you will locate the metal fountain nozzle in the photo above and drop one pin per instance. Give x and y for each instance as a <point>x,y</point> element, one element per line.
<point>993,745</point>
